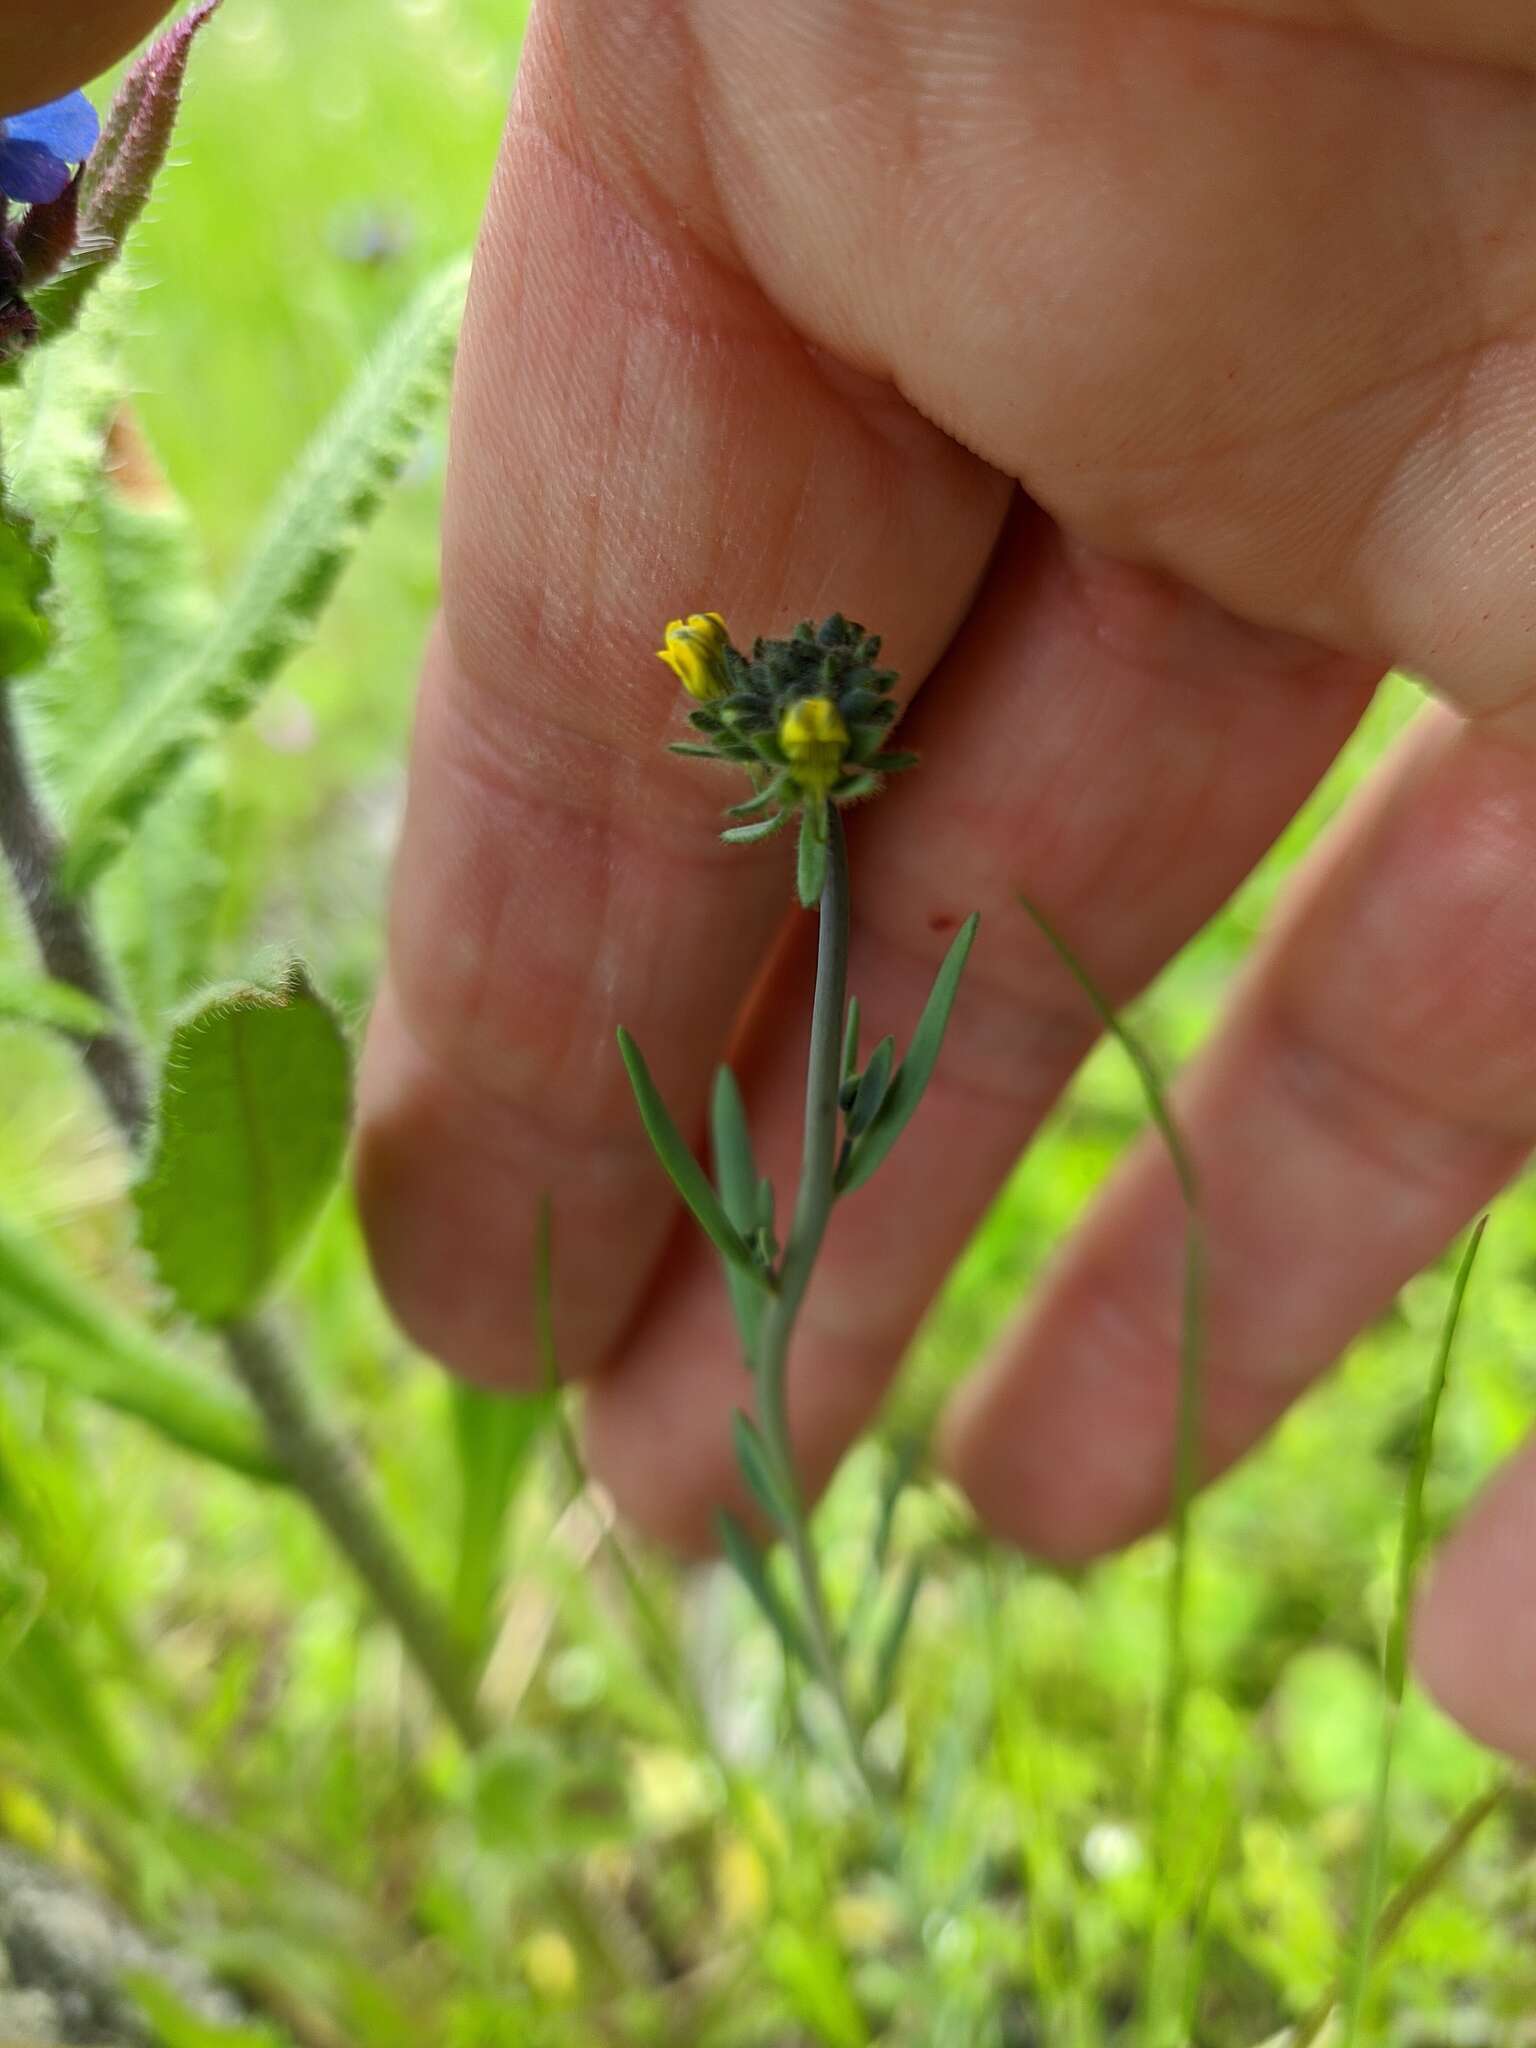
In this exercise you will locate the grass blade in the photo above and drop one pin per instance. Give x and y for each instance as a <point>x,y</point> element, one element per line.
<point>1357,1976</point>
<point>1187,1435</point>
<point>56,1328</point>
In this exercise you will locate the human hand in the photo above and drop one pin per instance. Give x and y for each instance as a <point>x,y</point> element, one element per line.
<point>47,49</point>
<point>1151,377</point>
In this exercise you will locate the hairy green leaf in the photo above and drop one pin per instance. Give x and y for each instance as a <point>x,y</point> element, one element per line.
<point>117,181</point>
<point>682,1169</point>
<point>54,1326</point>
<point>811,861</point>
<point>319,518</point>
<point>916,1070</point>
<point>251,1127</point>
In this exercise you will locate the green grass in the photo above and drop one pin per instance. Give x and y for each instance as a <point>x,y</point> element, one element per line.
<point>189,1706</point>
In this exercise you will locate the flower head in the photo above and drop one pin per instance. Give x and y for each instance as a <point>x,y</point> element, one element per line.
<point>815,742</point>
<point>39,148</point>
<point>694,649</point>
<point>807,717</point>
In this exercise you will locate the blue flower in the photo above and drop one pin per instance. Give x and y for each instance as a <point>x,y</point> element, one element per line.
<point>38,148</point>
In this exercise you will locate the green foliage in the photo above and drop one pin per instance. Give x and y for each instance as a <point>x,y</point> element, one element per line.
<point>751,1567</point>
<point>25,629</point>
<point>495,1437</point>
<point>34,999</point>
<point>1395,1652</point>
<point>899,1102</point>
<point>337,489</point>
<point>56,1328</point>
<point>252,1122</point>
<point>116,183</point>
<point>682,1169</point>
<point>736,1177</point>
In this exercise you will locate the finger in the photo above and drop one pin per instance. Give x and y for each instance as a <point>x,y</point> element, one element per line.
<point>636,433</point>
<point>1476,1632</point>
<point>47,49</point>
<point>1374,1085</point>
<point>1099,736</point>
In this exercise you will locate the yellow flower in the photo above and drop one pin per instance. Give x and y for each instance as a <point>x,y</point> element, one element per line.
<point>695,652</point>
<point>815,740</point>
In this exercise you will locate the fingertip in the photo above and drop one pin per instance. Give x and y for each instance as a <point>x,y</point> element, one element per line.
<point>1475,1627</point>
<point>425,1215</point>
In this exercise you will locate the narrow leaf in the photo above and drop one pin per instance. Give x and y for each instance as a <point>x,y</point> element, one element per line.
<point>122,169</point>
<point>53,1005</point>
<point>1373,1871</point>
<point>811,871</point>
<point>338,487</point>
<point>765,795</point>
<point>750,835</point>
<point>874,1084</point>
<point>736,1178</point>
<point>851,1041</point>
<point>756,1463</point>
<point>54,1326</point>
<point>252,1123</point>
<point>682,1169</point>
<point>751,1567</point>
<point>916,1070</point>
<point>494,1438</point>
<point>26,631</point>
<point>893,1637</point>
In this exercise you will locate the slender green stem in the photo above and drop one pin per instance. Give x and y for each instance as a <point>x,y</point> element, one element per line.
<point>1420,1885</point>
<point>813,1208</point>
<point>319,1463</point>
<point>1373,1870</point>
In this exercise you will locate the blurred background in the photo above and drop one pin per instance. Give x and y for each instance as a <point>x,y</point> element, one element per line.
<point>231,1752</point>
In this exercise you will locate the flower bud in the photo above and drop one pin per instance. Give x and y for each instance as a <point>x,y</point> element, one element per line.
<point>815,742</point>
<point>695,652</point>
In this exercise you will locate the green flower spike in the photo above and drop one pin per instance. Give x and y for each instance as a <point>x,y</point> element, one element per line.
<point>807,718</point>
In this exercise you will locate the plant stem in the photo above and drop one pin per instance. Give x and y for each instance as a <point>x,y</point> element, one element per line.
<point>813,1207</point>
<point>324,1470</point>
<point>317,1459</point>
<point>62,928</point>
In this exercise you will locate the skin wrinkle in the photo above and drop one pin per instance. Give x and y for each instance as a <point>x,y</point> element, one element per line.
<point>1365,24</point>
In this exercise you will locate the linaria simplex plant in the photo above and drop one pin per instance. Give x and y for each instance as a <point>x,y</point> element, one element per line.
<point>807,717</point>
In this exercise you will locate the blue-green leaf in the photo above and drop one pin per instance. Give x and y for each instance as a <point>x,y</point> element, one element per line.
<point>682,1169</point>
<point>757,1468</point>
<point>751,1567</point>
<point>736,1178</point>
<point>916,1070</point>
